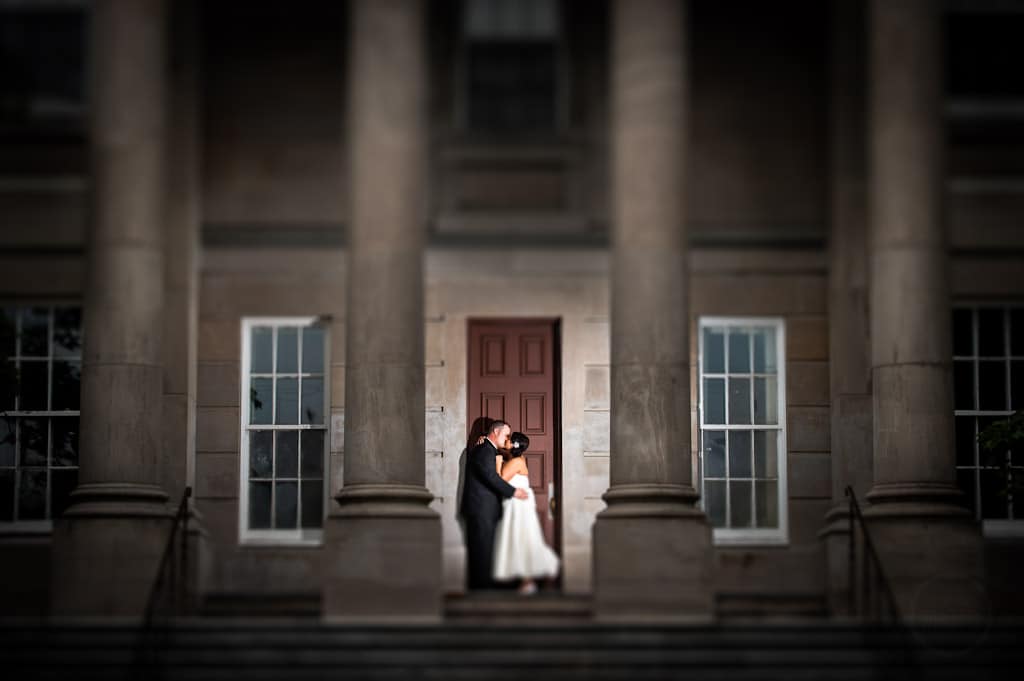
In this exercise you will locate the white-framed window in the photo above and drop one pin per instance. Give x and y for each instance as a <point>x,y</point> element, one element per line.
<point>512,76</point>
<point>742,409</point>
<point>40,381</point>
<point>285,441</point>
<point>988,385</point>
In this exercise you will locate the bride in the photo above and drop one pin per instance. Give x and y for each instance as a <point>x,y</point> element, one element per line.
<point>519,548</point>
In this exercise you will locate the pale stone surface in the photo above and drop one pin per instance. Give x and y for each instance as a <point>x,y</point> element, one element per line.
<point>217,429</point>
<point>807,429</point>
<point>218,384</point>
<point>807,338</point>
<point>216,475</point>
<point>807,383</point>
<point>809,476</point>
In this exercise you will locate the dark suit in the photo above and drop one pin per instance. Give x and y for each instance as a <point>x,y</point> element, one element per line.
<point>482,495</point>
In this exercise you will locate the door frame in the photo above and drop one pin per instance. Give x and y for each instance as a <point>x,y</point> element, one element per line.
<point>556,404</point>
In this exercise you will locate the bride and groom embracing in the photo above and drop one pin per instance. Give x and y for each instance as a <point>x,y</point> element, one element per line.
<point>504,540</point>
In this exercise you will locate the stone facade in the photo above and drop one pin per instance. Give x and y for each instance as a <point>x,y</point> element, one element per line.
<point>281,163</point>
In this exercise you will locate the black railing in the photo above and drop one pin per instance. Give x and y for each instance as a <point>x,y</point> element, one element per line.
<point>170,594</point>
<point>870,594</point>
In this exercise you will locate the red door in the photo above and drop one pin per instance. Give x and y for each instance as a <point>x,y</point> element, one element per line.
<point>512,377</point>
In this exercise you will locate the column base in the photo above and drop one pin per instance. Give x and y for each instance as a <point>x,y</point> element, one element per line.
<point>107,548</point>
<point>652,555</point>
<point>835,536</point>
<point>383,559</point>
<point>931,550</point>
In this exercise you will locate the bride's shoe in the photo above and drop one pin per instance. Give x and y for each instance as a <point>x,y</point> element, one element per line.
<point>527,589</point>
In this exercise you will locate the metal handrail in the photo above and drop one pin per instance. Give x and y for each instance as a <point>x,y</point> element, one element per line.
<point>178,595</point>
<point>867,601</point>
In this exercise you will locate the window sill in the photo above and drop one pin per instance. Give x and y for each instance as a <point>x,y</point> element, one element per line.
<point>308,539</point>
<point>31,528</point>
<point>747,538</point>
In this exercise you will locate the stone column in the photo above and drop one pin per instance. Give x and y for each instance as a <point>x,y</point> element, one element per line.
<point>107,546</point>
<point>383,556</point>
<point>849,340</point>
<point>181,273</point>
<point>930,547</point>
<point>651,545</point>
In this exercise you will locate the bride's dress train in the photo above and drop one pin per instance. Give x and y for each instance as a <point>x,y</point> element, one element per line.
<point>519,548</point>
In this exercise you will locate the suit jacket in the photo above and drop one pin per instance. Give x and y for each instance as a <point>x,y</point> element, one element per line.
<point>484,489</point>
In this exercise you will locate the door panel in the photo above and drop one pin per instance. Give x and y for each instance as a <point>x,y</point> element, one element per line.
<point>512,377</point>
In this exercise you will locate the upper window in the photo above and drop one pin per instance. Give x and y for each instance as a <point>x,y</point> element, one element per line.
<point>42,57</point>
<point>285,442</point>
<point>511,65</point>
<point>742,439</point>
<point>988,380</point>
<point>40,369</point>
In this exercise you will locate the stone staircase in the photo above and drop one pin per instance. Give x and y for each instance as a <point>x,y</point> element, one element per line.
<point>519,646</point>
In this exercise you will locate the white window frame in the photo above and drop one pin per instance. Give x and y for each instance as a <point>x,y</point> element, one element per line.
<point>991,527</point>
<point>749,536</point>
<point>274,537</point>
<point>43,526</point>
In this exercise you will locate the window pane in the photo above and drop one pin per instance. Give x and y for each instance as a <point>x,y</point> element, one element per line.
<point>261,453</point>
<point>259,505</point>
<point>287,350</point>
<point>739,454</point>
<point>67,380</point>
<point>8,331</point>
<point>32,442</point>
<point>766,456</point>
<point>1017,332</point>
<point>32,494</point>
<point>739,400</point>
<point>67,332</point>
<point>65,441</point>
<point>993,494</point>
<point>62,483</point>
<point>262,350</point>
<point>714,400</point>
<point>313,401</point>
<point>312,453</point>
<point>511,85</point>
<point>965,480</point>
<point>33,382</point>
<point>766,498</point>
<point>991,341</point>
<point>261,401</point>
<point>965,441</point>
<point>714,351</point>
<point>7,495</point>
<point>714,454</point>
<point>35,329</point>
<point>992,385</point>
<point>312,503</point>
<point>963,384</point>
<point>8,384</point>
<point>739,504</point>
<point>1017,384</point>
<point>287,401</point>
<point>287,454</point>
<point>765,353</point>
<point>766,398</point>
<point>313,350</point>
<point>714,502</point>
<point>739,351</point>
<point>286,505</point>
<point>963,339</point>
<point>7,428</point>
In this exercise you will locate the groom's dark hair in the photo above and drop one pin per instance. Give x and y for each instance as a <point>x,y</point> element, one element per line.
<point>497,425</point>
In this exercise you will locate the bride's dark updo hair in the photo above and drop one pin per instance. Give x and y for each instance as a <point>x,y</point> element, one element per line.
<point>519,444</point>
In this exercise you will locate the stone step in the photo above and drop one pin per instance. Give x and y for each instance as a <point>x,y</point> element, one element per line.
<point>237,604</point>
<point>282,648</point>
<point>754,605</point>
<point>498,607</point>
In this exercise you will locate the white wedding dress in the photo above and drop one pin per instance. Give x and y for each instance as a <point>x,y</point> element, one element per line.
<point>519,548</point>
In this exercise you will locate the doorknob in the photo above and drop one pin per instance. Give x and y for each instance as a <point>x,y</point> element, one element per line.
<point>552,504</point>
<point>551,499</point>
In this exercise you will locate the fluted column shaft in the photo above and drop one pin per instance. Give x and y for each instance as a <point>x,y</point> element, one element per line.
<point>651,501</point>
<point>930,549</point>
<point>108,543</point>
<point>910,341</point>
<point>384,373</point>
<point>383,542</point>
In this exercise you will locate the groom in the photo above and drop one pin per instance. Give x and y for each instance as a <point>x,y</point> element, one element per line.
<point>482,495</point>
